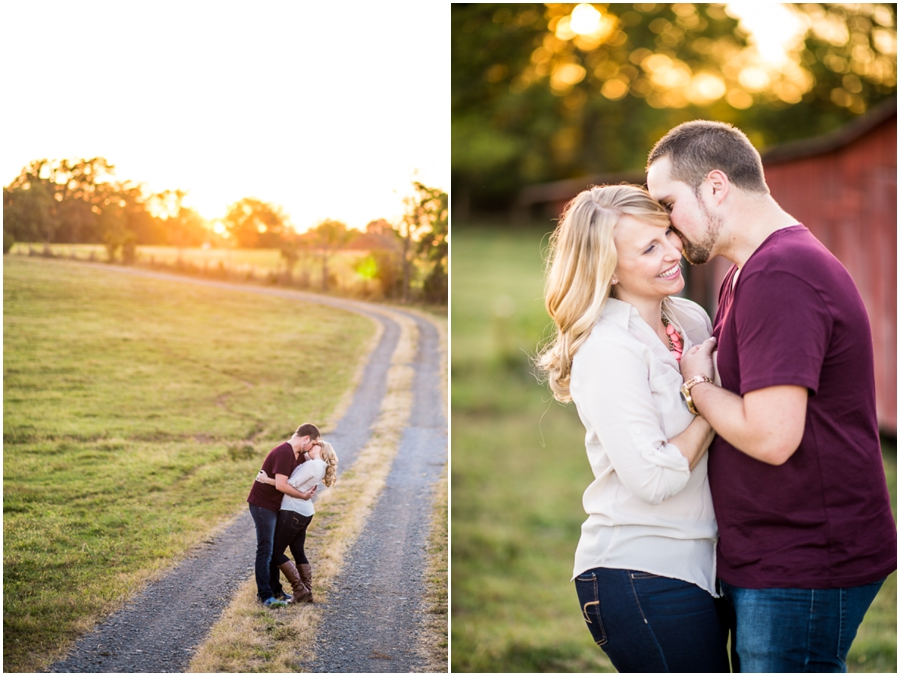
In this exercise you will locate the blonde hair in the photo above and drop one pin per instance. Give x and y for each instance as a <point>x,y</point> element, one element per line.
<point>580,264</point>
<point>331,460</point>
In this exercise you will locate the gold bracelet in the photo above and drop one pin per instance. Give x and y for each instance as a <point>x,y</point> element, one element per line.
<point>686,391</point>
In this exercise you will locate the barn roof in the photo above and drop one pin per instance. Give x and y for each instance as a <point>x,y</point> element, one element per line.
<point>832,141</point>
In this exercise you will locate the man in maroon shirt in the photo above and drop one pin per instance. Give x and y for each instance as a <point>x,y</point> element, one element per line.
<point>265,502</point>
<point>806,533</point>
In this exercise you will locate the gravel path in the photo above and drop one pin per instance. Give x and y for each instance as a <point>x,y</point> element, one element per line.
<point>159,630</point>
<point>372,619</point>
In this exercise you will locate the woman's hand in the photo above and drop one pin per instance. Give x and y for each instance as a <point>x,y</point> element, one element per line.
<point>698,361</point>
<point>264,478</point>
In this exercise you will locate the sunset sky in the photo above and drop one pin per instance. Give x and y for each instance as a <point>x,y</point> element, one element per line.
<point>326,109</point>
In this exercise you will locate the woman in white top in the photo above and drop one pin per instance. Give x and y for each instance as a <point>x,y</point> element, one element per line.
<point>295,516</point>
<point>645,563</point>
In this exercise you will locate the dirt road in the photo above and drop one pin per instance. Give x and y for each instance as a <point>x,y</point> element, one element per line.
<point>371,621</point>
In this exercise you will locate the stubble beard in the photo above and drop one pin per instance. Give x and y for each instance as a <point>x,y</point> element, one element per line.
<point>699,252</point>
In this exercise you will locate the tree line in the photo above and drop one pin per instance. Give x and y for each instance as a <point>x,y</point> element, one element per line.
<point>82,202</point>
<point>544,92</point>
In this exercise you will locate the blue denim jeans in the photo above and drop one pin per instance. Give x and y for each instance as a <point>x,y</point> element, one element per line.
<point>795,630</point>
<point>268,583</point>
<point>649,623</point>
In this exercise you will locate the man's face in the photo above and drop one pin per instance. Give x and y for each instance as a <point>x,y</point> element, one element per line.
<point>306,443</point>
<point>690,215</point>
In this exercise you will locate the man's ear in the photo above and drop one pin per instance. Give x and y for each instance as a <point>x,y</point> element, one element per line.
<point>719,184</point>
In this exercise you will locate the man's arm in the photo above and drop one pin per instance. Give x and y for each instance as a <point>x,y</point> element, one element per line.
<point>281,483</point>
<point>766,424</point>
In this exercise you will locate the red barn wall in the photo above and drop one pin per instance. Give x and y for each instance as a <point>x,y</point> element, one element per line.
<point>848,200</point>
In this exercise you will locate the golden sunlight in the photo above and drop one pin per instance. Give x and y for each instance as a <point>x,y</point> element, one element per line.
<point>705,88</point>
<point>586,26</point>
<point>775,31</point>
<point>585,19</point>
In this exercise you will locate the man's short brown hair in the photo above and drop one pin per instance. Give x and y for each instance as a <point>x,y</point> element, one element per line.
<point>698,147</point>
<point>308,430</point>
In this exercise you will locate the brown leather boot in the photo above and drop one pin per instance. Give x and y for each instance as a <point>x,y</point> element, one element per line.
<point>306,575</point>
<point>301,592</point>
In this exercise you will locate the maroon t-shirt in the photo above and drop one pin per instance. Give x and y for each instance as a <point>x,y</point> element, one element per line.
<point>822,519</point>
<point>280,460</point>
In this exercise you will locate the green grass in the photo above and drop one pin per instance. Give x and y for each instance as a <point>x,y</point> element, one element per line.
<point>136,413</point>
<point>518,473</point>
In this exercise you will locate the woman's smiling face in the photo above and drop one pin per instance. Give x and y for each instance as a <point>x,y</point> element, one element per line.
<point>648,261</point>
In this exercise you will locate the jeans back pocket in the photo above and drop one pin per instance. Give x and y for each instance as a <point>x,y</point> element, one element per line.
<point>589,599</point>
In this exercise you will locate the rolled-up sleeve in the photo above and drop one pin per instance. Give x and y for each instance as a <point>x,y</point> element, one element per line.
<point>612,391</point>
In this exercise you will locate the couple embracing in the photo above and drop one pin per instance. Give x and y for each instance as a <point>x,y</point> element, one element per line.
<point>282,509</point>
<point>738,479</point>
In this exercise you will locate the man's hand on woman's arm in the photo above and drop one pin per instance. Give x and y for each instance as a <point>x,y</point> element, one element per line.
<point>281,483</point>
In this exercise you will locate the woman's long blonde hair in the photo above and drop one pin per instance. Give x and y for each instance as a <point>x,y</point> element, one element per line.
<point>580,264</point>
<point>331,461</point>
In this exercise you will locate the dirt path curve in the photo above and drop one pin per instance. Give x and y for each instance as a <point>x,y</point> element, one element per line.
<point>160,628</point>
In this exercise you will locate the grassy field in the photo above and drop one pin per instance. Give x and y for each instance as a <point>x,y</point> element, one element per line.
<point>136,413</point>
<point>518,473</point>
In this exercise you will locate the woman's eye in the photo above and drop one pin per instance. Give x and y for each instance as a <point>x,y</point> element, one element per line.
<point>649,248</point>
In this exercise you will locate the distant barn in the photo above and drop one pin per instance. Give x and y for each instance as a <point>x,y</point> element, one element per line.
<point>843,187</point>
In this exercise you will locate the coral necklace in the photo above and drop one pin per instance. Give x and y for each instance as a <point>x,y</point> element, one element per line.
<point>676,345</point>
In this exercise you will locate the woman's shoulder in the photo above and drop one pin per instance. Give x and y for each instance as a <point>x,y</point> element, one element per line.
<point>608,343</point>
<point>607,333</point>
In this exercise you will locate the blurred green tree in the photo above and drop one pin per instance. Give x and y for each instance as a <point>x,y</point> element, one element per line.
<point>433,244</point>
<point>424,229</point>
<point>81,200</point>
<point>256,224</point>
<point>61,200</point>
<point>175,223</point>
<point>385,245</point>
<point>549,91</point>
<point>29,213</point>
<point>330,236</point>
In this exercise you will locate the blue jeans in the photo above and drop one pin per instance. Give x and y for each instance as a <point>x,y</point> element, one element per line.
<point>268,583</point>
<point>649,623</point>
<point>795,630</point>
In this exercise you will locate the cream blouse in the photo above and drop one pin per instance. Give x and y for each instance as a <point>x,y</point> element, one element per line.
<point>646,509</point>
<point>303,478</point>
